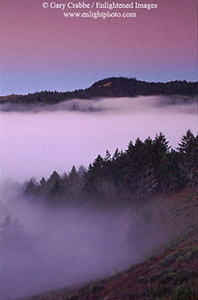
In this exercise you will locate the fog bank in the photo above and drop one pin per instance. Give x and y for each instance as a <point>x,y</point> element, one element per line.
<point>37,141</point>
<point>44,249</point>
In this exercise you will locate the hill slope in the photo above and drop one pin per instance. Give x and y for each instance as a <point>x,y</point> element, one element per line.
<point>170,272</point>
<point>109,87</point>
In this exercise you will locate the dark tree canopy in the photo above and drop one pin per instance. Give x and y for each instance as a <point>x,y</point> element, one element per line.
<point>145,169</point>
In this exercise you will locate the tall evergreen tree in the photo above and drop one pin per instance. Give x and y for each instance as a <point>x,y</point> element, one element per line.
<point>160,150</point>
<point>54,185</point>
<point>188,148</point>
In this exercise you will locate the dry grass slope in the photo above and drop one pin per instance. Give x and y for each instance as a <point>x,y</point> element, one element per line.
<point>171,272</point>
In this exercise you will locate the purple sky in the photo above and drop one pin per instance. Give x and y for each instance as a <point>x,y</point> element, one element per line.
<point>43,50</point>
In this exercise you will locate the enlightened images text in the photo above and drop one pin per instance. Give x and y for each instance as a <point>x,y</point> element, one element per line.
<point>104,5</point>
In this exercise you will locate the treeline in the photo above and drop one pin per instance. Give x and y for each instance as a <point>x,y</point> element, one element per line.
<point>110,87</point>
<point>145,169</point>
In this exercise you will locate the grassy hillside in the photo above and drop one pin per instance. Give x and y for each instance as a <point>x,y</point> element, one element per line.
<point>168,272</point>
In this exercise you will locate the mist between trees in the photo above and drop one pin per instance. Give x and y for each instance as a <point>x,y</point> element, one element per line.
<point>70,229</point>
<point>144,169</point>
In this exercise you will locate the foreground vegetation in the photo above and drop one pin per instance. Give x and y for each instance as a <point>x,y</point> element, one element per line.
<point>163,183</point>
<point>144,170</point>
<point>168,273</point>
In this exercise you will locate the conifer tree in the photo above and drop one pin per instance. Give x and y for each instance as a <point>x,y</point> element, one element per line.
<point>188,148</point>
<point>54,185</point>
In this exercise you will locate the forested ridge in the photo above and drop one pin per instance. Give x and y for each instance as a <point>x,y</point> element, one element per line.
<point>146,168</point>
<point>109,87</point>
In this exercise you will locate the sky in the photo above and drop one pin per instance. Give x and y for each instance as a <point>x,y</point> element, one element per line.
<point>40,49</point>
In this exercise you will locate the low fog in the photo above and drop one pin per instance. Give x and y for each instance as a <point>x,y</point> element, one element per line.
<point>36,140</point>
<point>44,248</point>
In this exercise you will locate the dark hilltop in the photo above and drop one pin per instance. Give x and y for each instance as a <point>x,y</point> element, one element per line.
<point>109,87</point>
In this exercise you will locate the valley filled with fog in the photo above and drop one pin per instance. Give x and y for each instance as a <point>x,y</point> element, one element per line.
<point>46,247</point>
<point>36,140</point>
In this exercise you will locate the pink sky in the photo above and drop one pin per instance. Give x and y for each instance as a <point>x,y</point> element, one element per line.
<point>42,50</point>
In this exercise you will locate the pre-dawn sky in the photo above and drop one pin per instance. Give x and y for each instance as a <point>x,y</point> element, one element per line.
<point>43,50</point>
